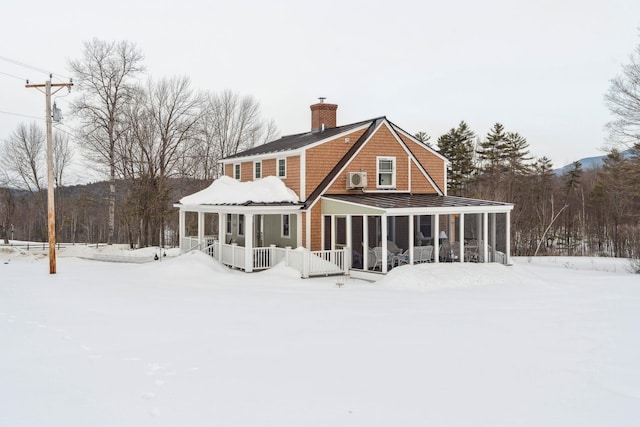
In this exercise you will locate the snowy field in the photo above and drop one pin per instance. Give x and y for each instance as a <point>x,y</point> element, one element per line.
<point>185,342</point>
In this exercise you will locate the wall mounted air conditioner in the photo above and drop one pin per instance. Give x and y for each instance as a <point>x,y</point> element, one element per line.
<point>356,180</point>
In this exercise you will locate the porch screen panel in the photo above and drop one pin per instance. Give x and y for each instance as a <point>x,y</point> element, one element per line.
<point>424,227</point>
<point>375,230</point>
<point>341,230</point>
<point>401,232</point>
<point>356,241</point>
<point>327,232</point>
<point>501,227</point>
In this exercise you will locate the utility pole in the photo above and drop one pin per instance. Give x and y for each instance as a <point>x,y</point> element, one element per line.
<point>51,213</point>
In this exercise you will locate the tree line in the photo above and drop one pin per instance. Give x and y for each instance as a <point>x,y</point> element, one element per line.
<point>146,136</point>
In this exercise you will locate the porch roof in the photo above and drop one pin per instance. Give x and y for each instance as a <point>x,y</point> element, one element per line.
<point>407,203</point>
<point>242,208</point>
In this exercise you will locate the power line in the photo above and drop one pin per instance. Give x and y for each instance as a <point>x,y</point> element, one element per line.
<point>11,75</point>
<point>31,67</point>
<point>21,115</point>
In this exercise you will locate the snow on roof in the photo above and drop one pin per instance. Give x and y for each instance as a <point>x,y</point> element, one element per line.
<point>228,191</point>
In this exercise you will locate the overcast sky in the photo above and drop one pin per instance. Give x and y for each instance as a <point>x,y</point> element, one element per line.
<point>538,67</point>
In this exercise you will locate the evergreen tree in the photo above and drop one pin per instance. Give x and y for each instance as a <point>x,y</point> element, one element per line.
<point>423,137</point>
<point>457,146</point>
<point>517,153</point>
<point>493,150</point>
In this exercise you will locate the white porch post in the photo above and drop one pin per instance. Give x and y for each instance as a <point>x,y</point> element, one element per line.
<point>307,231</point>
<point>461,238</point>
<point>436,238</point>
<point>248,242</point>
<point>365,242</point>
<point>222,225</point>
<point>322,242</point>
<point>485,236</point>
<point>508,237</point>
<point>299,229</point>
<point>349,243</point>
<point>493,237</point>
<point>222,231</point>
<point>411,238</point>
<point>181,228</point>
<point>200,227</point>
<point>383,240</point>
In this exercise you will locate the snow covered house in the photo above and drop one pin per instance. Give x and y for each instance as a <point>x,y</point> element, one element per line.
<point>360,198</point>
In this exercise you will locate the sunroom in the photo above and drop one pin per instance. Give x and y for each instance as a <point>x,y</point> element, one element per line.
<point>417,228</point>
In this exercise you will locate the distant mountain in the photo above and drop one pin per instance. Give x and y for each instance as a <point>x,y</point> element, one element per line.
<point>587,163</point>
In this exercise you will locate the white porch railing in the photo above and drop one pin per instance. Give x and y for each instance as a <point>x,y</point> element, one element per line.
<point>190,243</point>
<point>308,263</point>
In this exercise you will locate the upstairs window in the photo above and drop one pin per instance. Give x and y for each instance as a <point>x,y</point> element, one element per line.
<point>236,171</point>
<point>386,172</point>
<point>282,168</point>
<point>257,170</point>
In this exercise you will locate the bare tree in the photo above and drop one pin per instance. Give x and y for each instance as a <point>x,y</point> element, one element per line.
<point>62,155</point>
<point>105,78</point>
<point>22,158</point>
<point>23,165</point>
<point>623,100</point>
<point>230,123</point>
<point>7,208</point>
<point>175,111</point>
<point>158,144</point>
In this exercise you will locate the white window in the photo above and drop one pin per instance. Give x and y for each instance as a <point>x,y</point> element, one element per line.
<point>236,171</point>
<point>282,168</point>
<point>257,170</point>
<point>286,225</point>
<point>240,225</point>
<point>386,172</point>
<point>228,226</point>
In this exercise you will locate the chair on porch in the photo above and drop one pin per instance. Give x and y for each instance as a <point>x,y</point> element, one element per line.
<point>426,254</point>
<point>379,258</point>
<point>445,251</point>
<point>421,254</point>
<point>421,239</point>
<point>471,251</point>
<point>392,247</point>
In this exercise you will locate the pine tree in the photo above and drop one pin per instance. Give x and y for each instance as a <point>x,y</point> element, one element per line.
<point>517,153</point>
<point>423,137</point>
<point>493,150</point>
<point>457,146</point>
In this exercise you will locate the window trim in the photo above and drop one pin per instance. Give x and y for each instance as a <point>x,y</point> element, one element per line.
<point>392,186</point>
<point>237,171</point>
<point>257,165</point>
<point>284,159</point>
<point>282,224</point>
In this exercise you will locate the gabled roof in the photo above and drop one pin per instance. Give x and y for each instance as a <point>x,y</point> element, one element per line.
<point>294,142</point>
<point>322,187</point>
<point>373,127</point>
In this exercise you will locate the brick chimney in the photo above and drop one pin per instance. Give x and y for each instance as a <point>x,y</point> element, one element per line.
<point>323,116</point>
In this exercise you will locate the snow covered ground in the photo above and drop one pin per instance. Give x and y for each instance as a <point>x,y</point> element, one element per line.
<point>185,342</point>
